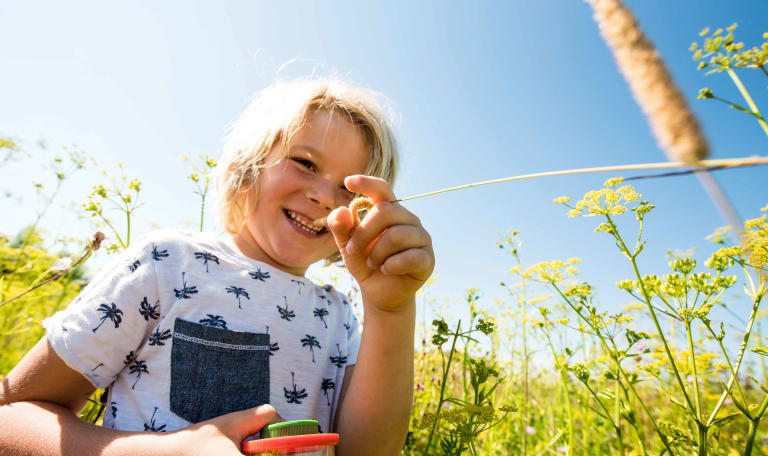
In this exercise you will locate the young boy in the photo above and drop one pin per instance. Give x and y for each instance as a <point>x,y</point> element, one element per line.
<point>206,340</point>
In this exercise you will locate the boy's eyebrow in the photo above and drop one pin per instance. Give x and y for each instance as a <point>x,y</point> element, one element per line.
<point>312,150</point>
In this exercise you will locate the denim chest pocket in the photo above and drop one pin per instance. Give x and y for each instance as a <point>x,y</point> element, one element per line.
<point>216,371</point>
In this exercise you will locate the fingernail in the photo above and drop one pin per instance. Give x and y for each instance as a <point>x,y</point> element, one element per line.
<point>350,248</point>
<point>383,271</point>
<point>370,263</point>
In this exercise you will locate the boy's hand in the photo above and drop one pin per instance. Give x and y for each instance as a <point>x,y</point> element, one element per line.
<point>223,435</point>
<point>389,254</point>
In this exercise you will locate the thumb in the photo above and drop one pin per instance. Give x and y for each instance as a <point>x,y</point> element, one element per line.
<point>250,421</point>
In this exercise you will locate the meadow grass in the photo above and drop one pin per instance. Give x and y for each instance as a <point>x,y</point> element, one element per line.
<point>545,370</point>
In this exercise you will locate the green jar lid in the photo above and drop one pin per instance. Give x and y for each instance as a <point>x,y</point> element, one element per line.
<point>290,428</point>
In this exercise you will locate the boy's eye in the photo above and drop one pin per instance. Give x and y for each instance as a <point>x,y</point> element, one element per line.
<point>347,195</point>
<point>306,163</point>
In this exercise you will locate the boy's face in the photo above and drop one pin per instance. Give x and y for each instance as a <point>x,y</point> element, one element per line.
<point>306,184</point>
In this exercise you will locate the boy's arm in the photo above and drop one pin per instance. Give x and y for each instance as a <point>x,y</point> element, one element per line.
<point>390,255</point>
<point>377,393</point>
<point>39,400</point>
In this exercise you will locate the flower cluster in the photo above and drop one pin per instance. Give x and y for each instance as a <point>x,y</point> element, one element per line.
<point>551,271</point>
<point>724,53</point>
<point>755,240</point>
<point>606,201</point>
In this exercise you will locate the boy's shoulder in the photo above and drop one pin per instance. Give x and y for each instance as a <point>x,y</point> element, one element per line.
<point>181,238</point>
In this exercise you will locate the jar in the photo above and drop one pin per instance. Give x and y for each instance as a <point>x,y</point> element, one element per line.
<point>292,438</point>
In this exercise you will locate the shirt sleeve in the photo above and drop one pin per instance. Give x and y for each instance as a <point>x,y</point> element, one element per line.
<point>99,333</point>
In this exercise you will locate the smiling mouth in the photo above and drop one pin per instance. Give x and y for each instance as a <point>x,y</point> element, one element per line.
<point>304,223</point>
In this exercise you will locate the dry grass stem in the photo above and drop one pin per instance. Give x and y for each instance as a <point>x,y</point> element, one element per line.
<point>361,203</point>
<point>672,122</point>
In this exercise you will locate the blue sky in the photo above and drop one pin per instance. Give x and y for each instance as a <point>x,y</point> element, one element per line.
<point>487,91</point>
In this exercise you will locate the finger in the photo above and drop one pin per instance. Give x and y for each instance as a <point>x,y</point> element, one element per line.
<point>382,216</point>
<point>418,263</point>
<point>396,239</point>
<point>340,223</point>
<point>375,188</point>
<point>250,421</point>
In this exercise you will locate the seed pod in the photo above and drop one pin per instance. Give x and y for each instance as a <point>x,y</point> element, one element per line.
<point>672,122</point>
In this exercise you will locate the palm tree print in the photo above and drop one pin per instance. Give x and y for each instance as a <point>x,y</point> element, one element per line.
<point>152,426</point>
<point>348,328</point>
<point>273,348</point>
<point>295,395</point>
<point>258,275</point>
<point>327,385</point>
<point>158,255</point>
<point>214,321</point>
<point>298,283</point>
<point>339,361</point>
<point>138,367</point>
<point>311,342</point>
<point>238,292</point>
<point>134,266</point>
<point>149,311</point>
<point>206,257</point>
<point>185,291</point>
<point>97,366</point>
<point>113,406</point>
<point>129,358</point>
<point>110,312</point>
<point>321,314</point>
<point>325,298</point>
<point>159,338</point>
<point>285,314</point>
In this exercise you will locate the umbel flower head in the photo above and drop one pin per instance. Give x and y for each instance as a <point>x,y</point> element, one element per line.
<point>609,200</point>
<point>552,271</point>
<point>755,240</point>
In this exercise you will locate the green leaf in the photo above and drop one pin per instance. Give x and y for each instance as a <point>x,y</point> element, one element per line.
<point>722,421</point>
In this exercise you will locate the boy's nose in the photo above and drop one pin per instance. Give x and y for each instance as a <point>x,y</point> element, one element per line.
<point>321,195</point>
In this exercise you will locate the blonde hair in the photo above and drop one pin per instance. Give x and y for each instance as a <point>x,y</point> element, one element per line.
<point>274,116</point>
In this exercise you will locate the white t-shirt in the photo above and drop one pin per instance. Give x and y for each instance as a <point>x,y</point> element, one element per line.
<point>182,327</point>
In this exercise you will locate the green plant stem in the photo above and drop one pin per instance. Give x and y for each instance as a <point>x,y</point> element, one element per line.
<point>702,439</point>
<point>748,99</point>
<point>442,389</point>
<point>111,227</point>
<point>202,212</point>
<point>616,426</point>
<point>742,349</point>
<point>753,425</point>
<point>127,227</point>
<point>25,242</point>
<point>695,373</point>
<point>647,298</point>
<point>584,434</point>
<point>730,365</point>
<point>640,440</point>
<point>629,381</point>
<point>566,394</point>
<point>750,438</point>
